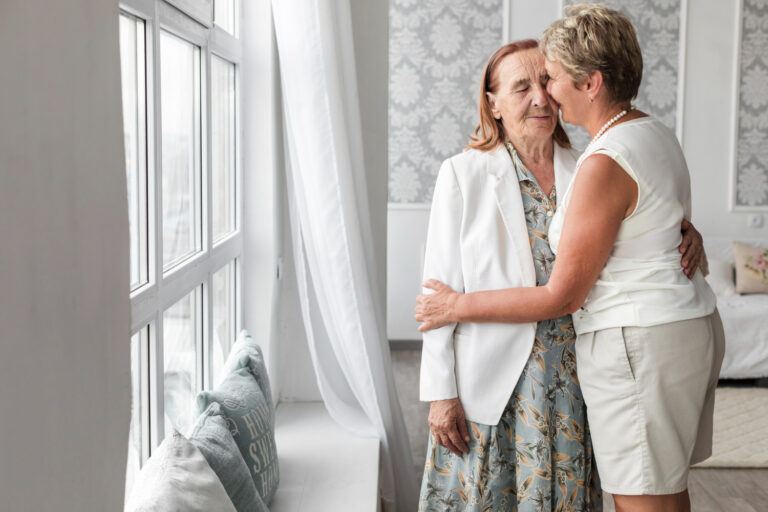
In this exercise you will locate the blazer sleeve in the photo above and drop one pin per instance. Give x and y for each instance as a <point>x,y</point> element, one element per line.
<point>442,261</point>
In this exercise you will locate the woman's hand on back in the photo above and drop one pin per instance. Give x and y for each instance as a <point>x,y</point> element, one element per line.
<point>692,248</point>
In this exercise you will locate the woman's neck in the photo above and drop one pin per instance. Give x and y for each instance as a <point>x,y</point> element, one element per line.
<point>534,153</point>
<point>602,114</point>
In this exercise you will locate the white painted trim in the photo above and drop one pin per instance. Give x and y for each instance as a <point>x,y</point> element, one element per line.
<point>176,22</point>
<point>506,24</point>
<point>156,363</point>
<point>409,206</point>
<point>225,46</point>
<point>144,400</point>
<point>562,8</point>
<point>156,390</point>
<point>681,71</point>
<point>200,11</point>
<point>735,110</point>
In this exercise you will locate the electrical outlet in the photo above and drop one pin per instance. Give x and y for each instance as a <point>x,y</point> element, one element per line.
<point>755,221</point>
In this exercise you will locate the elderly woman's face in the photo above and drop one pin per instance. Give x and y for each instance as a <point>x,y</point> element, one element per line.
<point>522,102</point>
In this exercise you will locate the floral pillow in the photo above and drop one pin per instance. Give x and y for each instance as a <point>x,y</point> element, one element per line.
<point>751,268</point>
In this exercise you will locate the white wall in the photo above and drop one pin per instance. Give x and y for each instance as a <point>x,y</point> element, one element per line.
<point>262,161</point>
<point>708,79</point>
<point>64,308</point>
<point>708,119</point>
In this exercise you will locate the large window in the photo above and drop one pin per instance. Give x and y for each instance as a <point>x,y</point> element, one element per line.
<point>180,75</point>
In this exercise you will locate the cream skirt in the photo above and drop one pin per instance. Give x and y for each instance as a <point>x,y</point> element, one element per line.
<point>650,394</point>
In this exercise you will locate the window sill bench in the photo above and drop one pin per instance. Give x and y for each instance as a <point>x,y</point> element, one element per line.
<point>322,466</point>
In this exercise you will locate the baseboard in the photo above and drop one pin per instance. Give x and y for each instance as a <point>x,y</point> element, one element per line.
<point>405,344</point>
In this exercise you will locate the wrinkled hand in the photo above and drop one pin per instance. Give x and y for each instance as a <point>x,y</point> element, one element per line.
<point>692,247</point>
<point>449,425</point>
<point>436,309</point>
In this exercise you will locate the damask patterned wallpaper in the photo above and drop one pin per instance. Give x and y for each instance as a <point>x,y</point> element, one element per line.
<point>437,50</point>
<point>657,23</point>
<point>752,161</point>
<point>436,55</point>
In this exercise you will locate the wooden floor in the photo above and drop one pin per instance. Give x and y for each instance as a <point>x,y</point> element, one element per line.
<point>712,490</point>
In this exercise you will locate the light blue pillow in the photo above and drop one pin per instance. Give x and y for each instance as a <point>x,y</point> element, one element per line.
<point>212,437</point>
<point>246,353</point>
<point>249,418</point>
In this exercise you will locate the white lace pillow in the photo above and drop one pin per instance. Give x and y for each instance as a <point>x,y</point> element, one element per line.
<point>721,279</point>
<point>177,477</point>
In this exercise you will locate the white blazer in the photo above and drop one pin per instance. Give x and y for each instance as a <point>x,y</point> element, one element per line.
<point>478,240</point>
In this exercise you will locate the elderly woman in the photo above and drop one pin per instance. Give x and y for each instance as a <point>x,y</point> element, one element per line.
<point>527,446</point>
<point>649,343</point>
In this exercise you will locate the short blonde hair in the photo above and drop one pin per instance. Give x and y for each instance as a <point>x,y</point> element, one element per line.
<point>489,132</point>
<point>592,37</point>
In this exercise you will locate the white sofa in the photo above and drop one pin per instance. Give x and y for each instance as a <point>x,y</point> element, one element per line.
<point>745,317</point>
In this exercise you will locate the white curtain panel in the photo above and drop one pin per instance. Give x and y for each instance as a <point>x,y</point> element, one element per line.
<point>332,236</point>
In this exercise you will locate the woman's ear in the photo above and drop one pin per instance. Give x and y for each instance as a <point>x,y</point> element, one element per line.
<point>492,103</point>
<point>592,84</point>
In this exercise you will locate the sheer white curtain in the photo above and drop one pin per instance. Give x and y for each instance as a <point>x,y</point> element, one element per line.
<point>332,237</point>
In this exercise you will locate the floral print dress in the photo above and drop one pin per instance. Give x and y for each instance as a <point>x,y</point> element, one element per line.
<point>539,457</point>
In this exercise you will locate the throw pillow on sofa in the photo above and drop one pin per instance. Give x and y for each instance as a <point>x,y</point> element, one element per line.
<point>177,477</point>
<point>212,437</point>
<point>248,417</point>
<point>751,268</point>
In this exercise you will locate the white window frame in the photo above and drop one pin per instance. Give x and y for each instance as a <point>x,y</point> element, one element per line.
<point>185,19</point>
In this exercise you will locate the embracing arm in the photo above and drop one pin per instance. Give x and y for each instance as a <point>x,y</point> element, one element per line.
<point>603,196</point>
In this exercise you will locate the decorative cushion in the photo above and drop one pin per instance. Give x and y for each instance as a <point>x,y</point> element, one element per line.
<point>177,477</point>
<point>214,440</point>
<point>721,279</point>
<point>246,353</point>
<point>751,268</point>
<point>249,419</point>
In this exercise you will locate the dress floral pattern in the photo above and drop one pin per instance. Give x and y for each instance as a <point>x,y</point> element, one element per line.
<point>539,457</point>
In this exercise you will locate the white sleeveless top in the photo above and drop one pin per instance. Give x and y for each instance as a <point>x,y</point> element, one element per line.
<point>642,283</point>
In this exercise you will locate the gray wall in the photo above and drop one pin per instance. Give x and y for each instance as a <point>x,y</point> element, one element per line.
<point>64,310</point>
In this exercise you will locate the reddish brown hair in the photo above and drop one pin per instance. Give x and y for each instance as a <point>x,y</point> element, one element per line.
<point>489,132</point>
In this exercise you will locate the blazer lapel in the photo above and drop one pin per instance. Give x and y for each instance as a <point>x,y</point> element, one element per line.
<point>507,190</point>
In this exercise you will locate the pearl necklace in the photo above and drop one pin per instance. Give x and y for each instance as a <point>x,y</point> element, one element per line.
<point>606,126</point>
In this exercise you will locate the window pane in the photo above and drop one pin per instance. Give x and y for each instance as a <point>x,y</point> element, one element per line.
<point>224,15</point>
<point>223,146</point>
<point>223,283</point>
<point>180,356</point>
<point>180,97</point>
<point>135,436</point>
<point>132,60</point>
